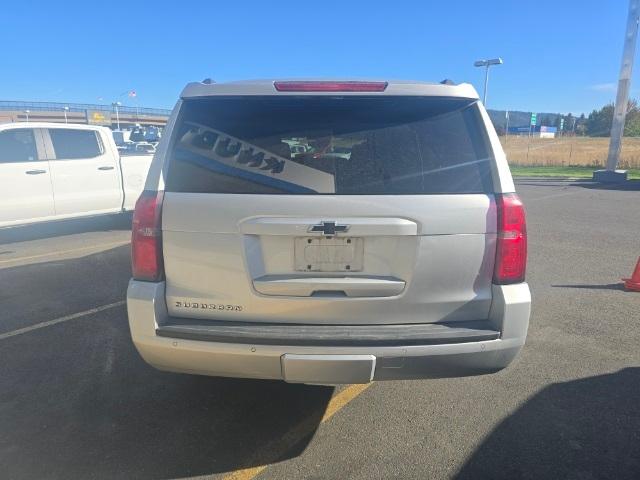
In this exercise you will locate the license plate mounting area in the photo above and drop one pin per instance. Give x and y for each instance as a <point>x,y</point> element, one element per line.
<point>328,254</point>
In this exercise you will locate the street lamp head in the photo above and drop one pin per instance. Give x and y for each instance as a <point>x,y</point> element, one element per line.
<point>66,108</point>
<point>491,61</point>
<point>486,64</point>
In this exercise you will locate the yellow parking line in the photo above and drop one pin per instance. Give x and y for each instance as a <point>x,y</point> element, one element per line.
<point>245,473</point>
<point>337,403</point>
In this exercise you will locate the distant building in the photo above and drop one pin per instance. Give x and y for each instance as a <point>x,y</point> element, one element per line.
<point>539,131</point>
<point>547,132</point>
<point>520,130</point>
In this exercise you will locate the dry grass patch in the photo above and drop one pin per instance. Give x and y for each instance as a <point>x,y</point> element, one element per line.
<point>568,151</point>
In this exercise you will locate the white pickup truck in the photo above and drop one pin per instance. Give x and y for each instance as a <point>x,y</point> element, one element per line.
<point>51,171</point>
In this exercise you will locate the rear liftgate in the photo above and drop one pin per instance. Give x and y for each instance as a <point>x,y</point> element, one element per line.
<point>323,261</point>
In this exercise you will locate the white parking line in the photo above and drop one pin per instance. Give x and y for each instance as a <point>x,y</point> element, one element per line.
<point>99,247</point>
<point>48,323</point>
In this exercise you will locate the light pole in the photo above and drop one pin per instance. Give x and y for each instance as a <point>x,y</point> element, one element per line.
<point>66,109</point>
<point>487,64</point>
<point>610,174</point>
<point>116,105</point>
<point>27,112</point>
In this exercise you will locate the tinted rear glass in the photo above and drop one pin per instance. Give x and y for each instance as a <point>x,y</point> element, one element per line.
<point>17,145</point>
<point>73,144</point>
<point>330,145</point>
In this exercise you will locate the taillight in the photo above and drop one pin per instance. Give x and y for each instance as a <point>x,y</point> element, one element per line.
<point>146,238</point>
<point>511,251</point>
<point>323,86</point>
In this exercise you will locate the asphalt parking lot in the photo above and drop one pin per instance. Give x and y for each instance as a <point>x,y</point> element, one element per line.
<point>76,400</point>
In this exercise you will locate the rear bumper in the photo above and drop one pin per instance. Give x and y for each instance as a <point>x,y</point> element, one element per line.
<point>151,331</point>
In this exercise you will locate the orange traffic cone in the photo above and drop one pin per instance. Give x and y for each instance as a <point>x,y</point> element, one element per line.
<point>633,283</point>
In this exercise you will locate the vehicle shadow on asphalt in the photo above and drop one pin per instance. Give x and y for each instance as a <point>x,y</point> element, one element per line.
<point>77,401</point>
<point>587,428</point>
<point>629,185</point>
<point>58,228</point>
<point>606,286</point>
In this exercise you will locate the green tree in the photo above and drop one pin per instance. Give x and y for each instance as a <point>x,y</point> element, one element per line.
<point>545,119</point>
<point>568,122</point>
<point>599,122</point>
<point>581,125</point>
<point>632,121</point>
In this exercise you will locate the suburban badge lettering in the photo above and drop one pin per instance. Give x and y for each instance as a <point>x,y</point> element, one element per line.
<point>208,306</point>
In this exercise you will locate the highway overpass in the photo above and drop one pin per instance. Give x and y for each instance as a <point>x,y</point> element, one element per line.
<point>94,114</point>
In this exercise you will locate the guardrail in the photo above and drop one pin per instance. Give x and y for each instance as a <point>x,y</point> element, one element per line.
<point>79,107</point>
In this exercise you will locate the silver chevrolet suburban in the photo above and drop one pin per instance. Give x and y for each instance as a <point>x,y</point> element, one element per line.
<point>401,256</point>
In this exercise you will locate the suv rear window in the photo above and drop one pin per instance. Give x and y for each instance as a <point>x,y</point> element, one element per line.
<point>330,145</point>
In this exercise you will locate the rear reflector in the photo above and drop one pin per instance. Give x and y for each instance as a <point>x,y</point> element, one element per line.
<point>146,238</point>
<point>511,251</point>
<point>316,86</point>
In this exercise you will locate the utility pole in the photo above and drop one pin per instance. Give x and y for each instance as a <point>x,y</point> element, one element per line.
<point>610,174</point>
<point>506,130</point>
<point>66,109</point>
<point>487,64</point>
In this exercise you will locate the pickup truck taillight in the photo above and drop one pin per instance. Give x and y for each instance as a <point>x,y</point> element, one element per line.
<point>511,248</point>
<point>146,237</point>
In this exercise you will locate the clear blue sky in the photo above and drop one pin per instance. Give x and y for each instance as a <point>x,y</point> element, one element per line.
<point>560,56</point>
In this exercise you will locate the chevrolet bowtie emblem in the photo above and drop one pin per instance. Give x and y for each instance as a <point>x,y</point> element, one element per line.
<point>328,228</point>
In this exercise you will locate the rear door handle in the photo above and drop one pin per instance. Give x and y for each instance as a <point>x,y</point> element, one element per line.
<point>105,168</point>
<point>35,172</point>
<point>305,286</point>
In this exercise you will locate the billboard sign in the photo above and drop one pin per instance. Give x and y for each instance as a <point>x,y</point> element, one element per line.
<point>98,117</point>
